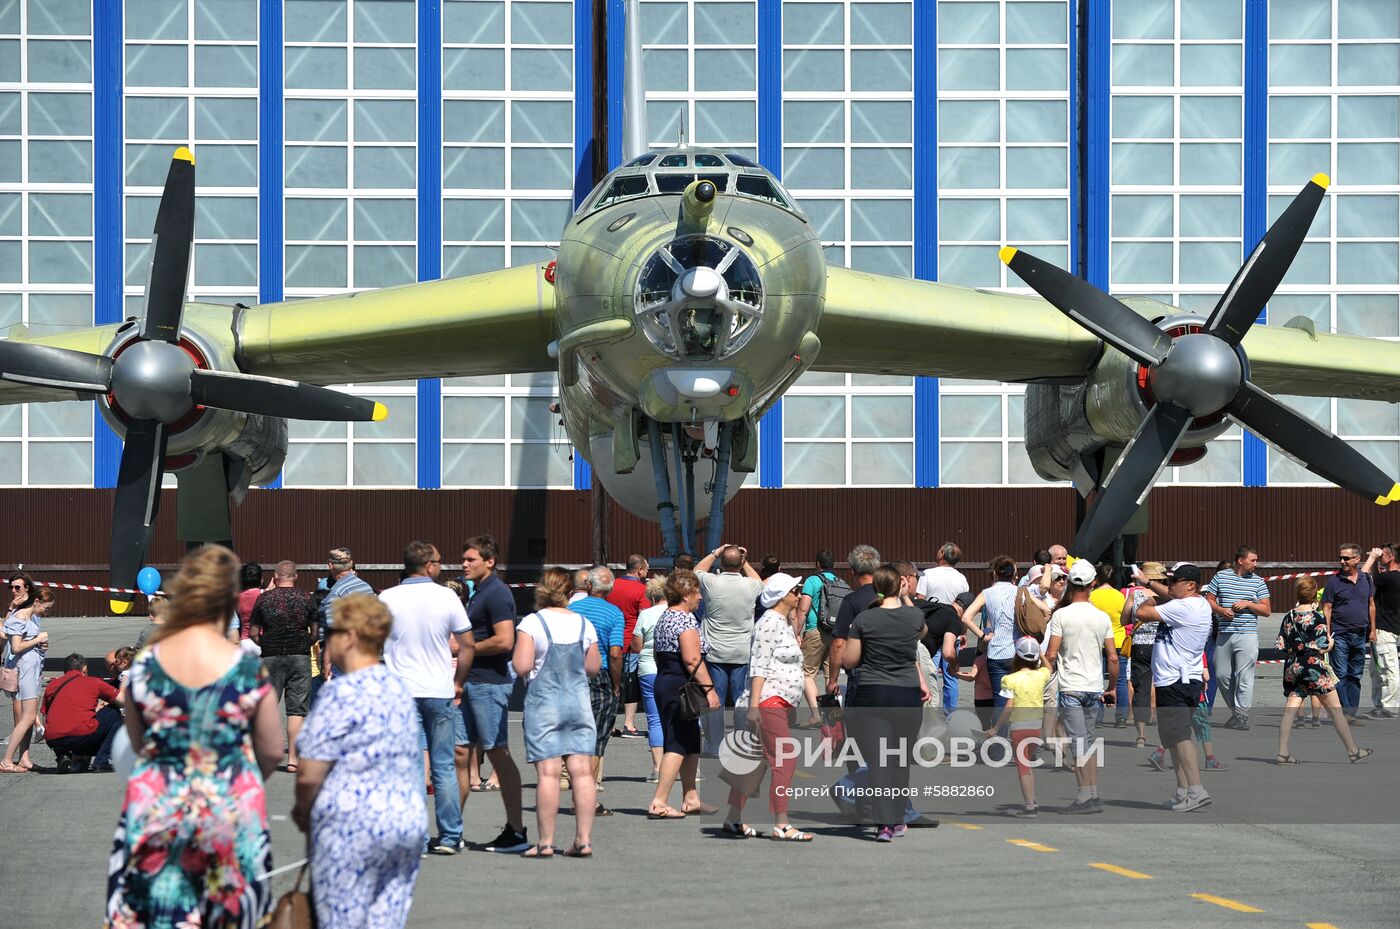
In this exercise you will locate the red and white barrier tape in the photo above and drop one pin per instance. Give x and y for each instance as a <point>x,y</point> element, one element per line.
<point>92,587</point>
<point>1289,577</point>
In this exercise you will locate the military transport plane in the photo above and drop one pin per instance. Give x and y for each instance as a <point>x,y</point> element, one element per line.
<point>689,292</point>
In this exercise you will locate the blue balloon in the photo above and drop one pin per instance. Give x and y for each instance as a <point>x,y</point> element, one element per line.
<point>148,581</point>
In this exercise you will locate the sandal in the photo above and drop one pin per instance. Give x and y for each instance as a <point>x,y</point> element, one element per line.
<point>666,812</point>
<point>700,809</point>
<point>291,768</point>
<point>1141,742</point>
<point>485,787</point>
<point>538,851</point>
<point>579,851</point>
<point>9,767</point>
<point>1361,753</point>
<point>738,830</point>
<point>1286,759</point>
<point>790,834</point>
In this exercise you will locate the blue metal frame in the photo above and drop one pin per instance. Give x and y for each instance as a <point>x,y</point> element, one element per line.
<point>107,189</point>
<point>1098,92</point>
<point>926,458</point>
<point>1256,182</point>
<point>770,155</point>
<point>271,183</point>
<point>429,429</point>
<point>583,150</point>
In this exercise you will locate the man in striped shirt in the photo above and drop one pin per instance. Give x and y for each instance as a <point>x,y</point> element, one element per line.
<point>1238,597</point>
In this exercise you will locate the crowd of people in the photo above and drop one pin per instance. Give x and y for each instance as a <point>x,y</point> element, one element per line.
<point>402,698</point>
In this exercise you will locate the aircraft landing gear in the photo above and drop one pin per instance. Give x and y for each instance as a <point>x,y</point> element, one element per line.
<point>679,531</point>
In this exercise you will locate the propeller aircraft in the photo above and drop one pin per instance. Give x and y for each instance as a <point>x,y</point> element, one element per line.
<point>689,293</point>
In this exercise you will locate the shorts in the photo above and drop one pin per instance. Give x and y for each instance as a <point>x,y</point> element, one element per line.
<point>816,646</point>
<point>31,677</point>
<point>485,709</point>
<point>290,677</point>
<point>1027,754</point>
<point>1175,705</point>
<point>1078,712</point>
<point>604,703</point>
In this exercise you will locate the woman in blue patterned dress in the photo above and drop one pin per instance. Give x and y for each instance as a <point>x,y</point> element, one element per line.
<point>680,649</point>
<point>192,846</point>
<point>360,783</point>
<point>1305,640</point>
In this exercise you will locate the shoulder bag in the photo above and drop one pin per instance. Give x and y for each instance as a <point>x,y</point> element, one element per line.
<point>695,699</point>
<point>294,909</point>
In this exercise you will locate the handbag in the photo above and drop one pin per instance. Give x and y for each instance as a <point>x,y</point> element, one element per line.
<point>695,700</point>
<point>9,680</point>
<point>294,909</point>
<point>631,688</point>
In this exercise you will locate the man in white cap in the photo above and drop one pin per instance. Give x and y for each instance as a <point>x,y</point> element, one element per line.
<point>1079,645</point>
<point>1178,664</point>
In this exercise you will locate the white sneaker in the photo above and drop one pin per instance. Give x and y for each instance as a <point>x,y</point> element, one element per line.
<point>1178,797</point>
<point>1191,802</point>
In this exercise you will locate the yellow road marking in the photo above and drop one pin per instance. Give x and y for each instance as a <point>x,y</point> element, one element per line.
<point>1321,926</point>
<point>969,826</point>
<point>1124,872</point>
<point>1033,846</point>
<point>1235,905</point>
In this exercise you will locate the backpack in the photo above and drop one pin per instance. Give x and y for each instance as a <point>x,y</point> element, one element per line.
<point>1029,620</point>
<point>834,593</point>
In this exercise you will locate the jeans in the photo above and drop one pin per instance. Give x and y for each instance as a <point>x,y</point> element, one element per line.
<point>950,684</point>
<point>97,744</point>
<point>1236,654</point>
<point>1349,661</point>
<point>1385,672</point>
<point>1079,712</point>
<point>998,668</point>
<point>730,681</point>
<point>1121,711</point>
<point>1210,663</point>
<point>654,737</point>
<point>436,715</point>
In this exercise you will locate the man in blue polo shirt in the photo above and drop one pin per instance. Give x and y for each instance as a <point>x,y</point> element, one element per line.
<point>1349,604</point>
<point>486,694</point>
<point>604,688</point>
<point>1238,597</point>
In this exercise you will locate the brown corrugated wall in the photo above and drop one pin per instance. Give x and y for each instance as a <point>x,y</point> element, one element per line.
<point>1287,524</point>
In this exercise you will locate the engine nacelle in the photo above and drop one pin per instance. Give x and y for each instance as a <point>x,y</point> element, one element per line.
<point>1065,424</point>
<point>260,441</point>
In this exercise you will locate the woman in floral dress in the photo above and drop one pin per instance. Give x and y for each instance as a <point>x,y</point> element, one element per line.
<point>1305,641</point>
<point>360,783</point>
<point>192,846</point>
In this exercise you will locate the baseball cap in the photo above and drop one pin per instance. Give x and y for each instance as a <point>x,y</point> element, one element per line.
<point>1027,648</point>
<point>777,587</point>
<point>1184,571</point>
<point>1082,573</point>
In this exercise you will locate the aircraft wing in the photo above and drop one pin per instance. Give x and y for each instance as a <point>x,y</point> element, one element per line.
<point>878,324</point>
<point>498,322</point>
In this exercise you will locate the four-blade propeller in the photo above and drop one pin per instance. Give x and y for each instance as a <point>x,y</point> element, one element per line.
<point>1200,374</point>
<point>153,382</point>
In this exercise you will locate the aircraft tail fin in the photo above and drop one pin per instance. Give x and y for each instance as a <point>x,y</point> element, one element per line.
<point>634,119</point>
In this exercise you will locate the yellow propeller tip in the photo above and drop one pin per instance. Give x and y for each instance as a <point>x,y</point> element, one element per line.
<point>120,607</point>
<point>1322,180</point>
<point>1006,254</point>
<point>184,154</point>
<point>381,412</point>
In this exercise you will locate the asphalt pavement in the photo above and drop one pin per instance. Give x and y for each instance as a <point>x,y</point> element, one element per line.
<point>1264,854</point>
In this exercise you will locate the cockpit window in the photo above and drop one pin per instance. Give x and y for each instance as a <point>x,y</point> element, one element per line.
<point>640,160</point>
<point>674,161</point>
<point>739,160</point>
<point>629,185</point>
<point>699,298</point>
<point>678,182</point>
<point>709,161</point>
<point>756,185</point>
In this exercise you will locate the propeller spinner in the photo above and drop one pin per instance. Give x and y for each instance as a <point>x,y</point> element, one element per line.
<point>153,382</point>
<point>1200,374</point>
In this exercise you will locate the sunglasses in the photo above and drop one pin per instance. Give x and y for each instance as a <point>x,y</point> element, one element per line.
<point>16,586</point>
<point>1351,558</point>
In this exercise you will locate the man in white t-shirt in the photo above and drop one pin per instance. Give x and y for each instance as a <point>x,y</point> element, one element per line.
<point>943,582</point>
<point>730,598</point>
<point>1178,675</point>
<point>1079,646</point>
<point>426,615</point>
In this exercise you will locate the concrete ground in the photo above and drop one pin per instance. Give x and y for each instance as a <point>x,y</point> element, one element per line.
<point>1247,861</point>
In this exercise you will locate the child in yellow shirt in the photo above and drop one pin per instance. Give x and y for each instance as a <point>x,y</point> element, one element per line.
<point>1024,690</point>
